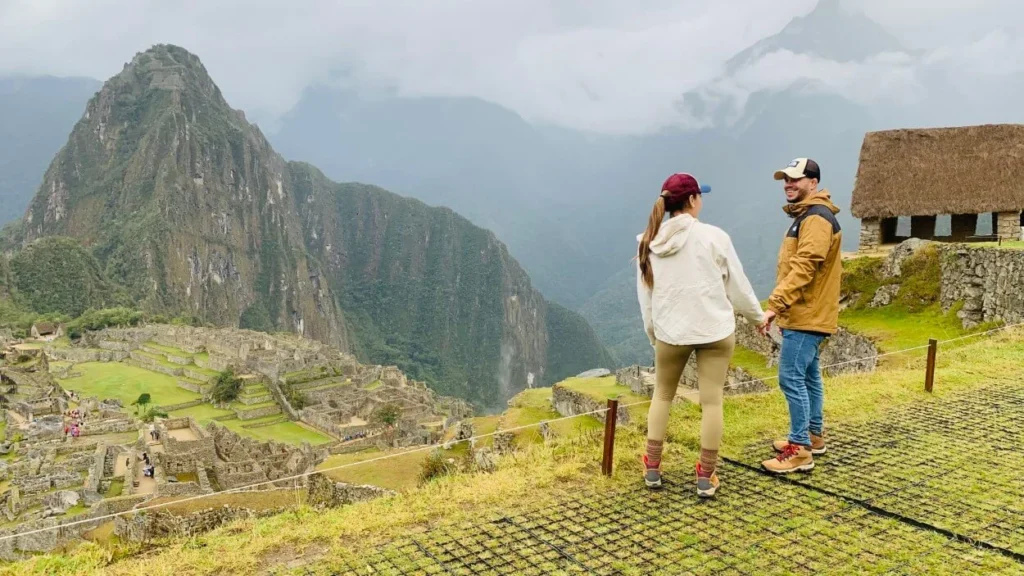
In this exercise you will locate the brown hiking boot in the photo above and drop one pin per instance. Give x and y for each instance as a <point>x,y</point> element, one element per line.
<point>817,445</point>
<point>794,458</point>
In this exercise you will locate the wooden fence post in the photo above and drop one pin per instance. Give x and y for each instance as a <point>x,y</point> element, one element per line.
<point>609,436</point>
<point>929,374</point>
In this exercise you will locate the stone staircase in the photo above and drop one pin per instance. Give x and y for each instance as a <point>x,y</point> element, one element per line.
<point>255,393</point>
<point>254,411</point>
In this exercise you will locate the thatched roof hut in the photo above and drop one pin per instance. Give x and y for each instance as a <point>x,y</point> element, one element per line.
<point>928,172</point>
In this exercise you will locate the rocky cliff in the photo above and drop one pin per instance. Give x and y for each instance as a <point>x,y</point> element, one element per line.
<point>186,205</point>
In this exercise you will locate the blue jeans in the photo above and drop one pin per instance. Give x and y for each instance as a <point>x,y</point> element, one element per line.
<point>800,380</point>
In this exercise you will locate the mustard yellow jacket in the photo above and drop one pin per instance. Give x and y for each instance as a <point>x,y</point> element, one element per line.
<point>806,295</point>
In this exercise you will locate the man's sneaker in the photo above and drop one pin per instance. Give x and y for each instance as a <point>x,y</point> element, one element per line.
<point>794,458</point>
<point>652,474</point>
<point>817,445</point>
<point>706,485</point>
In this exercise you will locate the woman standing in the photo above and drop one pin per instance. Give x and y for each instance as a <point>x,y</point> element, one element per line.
<point>689,281</point>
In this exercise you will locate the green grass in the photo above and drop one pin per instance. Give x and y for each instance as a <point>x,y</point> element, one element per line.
<point>116,488</point>
<point>752,362</point>
<point>285,432</point>
<point>202,414</point>
<point>1006,245</point>
<point>397,473</point>
<point>238,406</point>
<point>374,385</point>
<point>534,406</point>
<point>187,477</point>
<point>605,388</point>
<point>200,370</point>
<point>896,328</point>
<point>160,359</point>
<point>539,476</point>
<point>3,430</point>
<point>169,350</point>
<point>126,383</point>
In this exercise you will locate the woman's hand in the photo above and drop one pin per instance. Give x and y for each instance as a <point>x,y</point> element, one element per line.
<point>766,322</point>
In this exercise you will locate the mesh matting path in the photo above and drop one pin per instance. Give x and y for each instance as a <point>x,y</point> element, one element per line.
<point>934,488</point>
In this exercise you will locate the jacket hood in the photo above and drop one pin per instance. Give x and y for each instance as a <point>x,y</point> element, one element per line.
<point>672,235</point>
<point>822,198</point>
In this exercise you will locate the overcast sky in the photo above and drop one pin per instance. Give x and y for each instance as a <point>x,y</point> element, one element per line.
<point>604,65</point>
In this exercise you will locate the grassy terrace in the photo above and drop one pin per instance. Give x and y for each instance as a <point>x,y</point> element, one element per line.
<point>756,525</point>
<point>126,383</point>
<point>605,388</point>
<point>287,432</point>
<point>752,362</point>
<point>543,475</point>
<point>169,350</point>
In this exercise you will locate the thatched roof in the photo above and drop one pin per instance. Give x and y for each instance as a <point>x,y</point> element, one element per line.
<point>927,172</point>
<point>46,328</point>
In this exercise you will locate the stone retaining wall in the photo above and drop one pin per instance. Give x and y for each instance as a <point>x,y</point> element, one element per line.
<point>569,402</point>
<point>322,492</point>
<point>190,373</point>
<point>258,412</point>
<point>148,525</point>
<point>841,353</point>
<point>181,406</point>
<point>97,471</point>
<point>114,345</point>
<point>987,281</point>
<point>178,489</point>
<point>79,355</point>
<point>176,359</point>
<point>193,386</point>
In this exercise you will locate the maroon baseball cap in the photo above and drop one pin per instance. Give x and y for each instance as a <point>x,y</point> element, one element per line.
<point>680,185</point>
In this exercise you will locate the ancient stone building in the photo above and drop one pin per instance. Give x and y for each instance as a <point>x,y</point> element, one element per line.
<point>944,181</point>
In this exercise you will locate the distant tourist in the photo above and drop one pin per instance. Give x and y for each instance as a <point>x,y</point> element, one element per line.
<point>689,280</point>
<point>806,304</point>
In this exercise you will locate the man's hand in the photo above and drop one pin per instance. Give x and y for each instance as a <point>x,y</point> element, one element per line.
<point>766,322</point>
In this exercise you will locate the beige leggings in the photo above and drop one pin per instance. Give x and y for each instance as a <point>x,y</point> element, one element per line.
<point>712,368</point>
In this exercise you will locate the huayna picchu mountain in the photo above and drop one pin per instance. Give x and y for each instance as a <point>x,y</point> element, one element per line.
<point>187,207</point>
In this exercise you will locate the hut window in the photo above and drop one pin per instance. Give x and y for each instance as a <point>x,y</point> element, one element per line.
<point>943,226</point>
<point>903,227</point>
<point>984,224</point>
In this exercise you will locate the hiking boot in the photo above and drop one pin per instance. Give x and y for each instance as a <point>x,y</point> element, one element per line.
<point>817,445</point>
<point>793,458</point>
<point>652,474</point>
<point>706,484</point>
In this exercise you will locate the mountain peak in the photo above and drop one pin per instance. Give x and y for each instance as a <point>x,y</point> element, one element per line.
<point>831,31</point>
<point>166,68</point>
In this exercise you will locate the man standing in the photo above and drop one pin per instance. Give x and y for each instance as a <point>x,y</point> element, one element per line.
<point>806,304</point>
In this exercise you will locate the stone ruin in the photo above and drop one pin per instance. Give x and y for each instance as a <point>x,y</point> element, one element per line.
<point>244,461</point>
<point>343,406</point>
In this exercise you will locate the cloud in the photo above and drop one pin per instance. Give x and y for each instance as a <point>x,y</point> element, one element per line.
<point>605,65</point>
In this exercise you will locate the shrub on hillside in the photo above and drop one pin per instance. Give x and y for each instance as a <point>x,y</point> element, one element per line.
<point>437,465</point>
<point>386,414</point>
<point>93,320</point>
<point>226,387</point>
<point>293,396</point>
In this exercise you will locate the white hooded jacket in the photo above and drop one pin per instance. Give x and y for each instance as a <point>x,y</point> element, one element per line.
<point>698,282</point>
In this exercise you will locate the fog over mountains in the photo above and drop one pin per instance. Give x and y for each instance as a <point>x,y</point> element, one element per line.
<point>561,178</point>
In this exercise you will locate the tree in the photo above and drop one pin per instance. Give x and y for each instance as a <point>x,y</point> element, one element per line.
<point>142,401</point>
<point>226,387</point>
<point>386,415</point>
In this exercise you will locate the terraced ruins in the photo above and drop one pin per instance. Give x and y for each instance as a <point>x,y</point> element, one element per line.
<point>80,444</point>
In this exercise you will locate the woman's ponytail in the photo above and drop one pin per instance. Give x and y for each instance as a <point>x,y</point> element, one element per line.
<point>644,251</point>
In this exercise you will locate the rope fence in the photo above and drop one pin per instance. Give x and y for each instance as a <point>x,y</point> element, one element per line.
<point>606,463</point>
